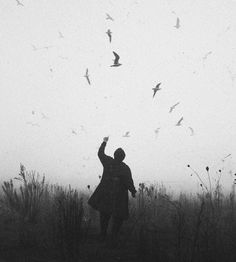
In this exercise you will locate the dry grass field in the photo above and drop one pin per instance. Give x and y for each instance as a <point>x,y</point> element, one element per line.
<point>43,222</point>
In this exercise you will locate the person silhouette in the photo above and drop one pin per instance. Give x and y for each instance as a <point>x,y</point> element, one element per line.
<point>110,197</point>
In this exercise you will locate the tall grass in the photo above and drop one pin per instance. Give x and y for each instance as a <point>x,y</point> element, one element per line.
<point>25,201</point>
<point>44,216</point>
<point>162,226</point>
<point>69,209</point>
<point>189,227</point>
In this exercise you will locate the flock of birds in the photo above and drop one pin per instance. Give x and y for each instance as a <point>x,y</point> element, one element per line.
<point>116,63</point>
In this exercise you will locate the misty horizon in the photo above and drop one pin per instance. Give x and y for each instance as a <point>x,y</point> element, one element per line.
<point>53,120</point>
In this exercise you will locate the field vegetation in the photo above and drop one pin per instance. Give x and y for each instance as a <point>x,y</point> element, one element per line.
<point>44,222</point>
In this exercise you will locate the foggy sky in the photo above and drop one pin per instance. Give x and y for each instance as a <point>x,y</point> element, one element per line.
<point>45,98</point>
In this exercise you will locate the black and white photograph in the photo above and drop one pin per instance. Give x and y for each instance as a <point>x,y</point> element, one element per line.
<point>118,131</point>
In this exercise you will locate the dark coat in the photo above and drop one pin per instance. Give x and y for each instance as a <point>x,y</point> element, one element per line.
<point>111,195</point>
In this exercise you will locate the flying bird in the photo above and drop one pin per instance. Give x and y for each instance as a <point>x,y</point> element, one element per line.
<point>60,34</point>
<point>179,122</point>
<point>173,107</point>
<point>157,131</point>
<point>33,112</point>
<point>109,17</point>
<point>177,26</point>
<point>126,134</point>
<point>206,55</point>
<point>109,32</point>
<point>116,60</point>
<point>73,132</point>
<point>44,116</point>
<point>32,124</point>
<point>63,57</point>
<point>82,128</point>
<point>87,76</point>
<point>226,157</point>
<point>34,47</point>
<point>47,47</point>
<point>155,89</point>
<point>40,48</point>
<point>232,75</point>
<point>19,3</point>
<point>192,131</point>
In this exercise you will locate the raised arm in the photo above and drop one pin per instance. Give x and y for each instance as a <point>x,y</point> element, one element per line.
<point>101,152</point>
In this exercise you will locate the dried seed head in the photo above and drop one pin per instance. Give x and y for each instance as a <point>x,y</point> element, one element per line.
<point>188,165</point>
<point>88,186</point>
<point>141,186</point>
<point>201,185</point>
<point>207,168</point>
<point>220,170</point>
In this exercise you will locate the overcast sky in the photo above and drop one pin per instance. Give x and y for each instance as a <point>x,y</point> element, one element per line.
<point>53,121</point>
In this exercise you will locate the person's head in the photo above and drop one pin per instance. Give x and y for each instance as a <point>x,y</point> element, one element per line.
<point>119,154</point>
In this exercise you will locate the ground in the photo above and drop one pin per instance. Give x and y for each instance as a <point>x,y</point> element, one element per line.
<point>90,250</point>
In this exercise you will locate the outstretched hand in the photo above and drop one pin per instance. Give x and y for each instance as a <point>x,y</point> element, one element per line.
<point>105,139</point>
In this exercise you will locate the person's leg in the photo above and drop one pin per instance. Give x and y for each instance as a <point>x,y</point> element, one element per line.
<point>116,225</point>
<point>104,221</point>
